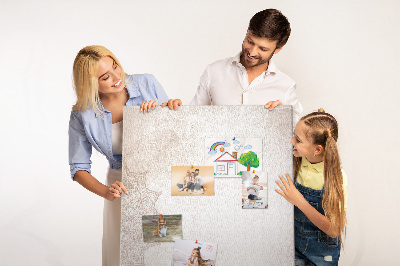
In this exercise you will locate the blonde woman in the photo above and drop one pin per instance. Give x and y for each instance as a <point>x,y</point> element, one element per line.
<point>103,89</point>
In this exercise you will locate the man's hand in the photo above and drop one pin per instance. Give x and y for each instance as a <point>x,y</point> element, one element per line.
<point>172,104</point>
<point>272,104</point>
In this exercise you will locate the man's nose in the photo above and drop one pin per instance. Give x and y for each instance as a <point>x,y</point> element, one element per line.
<point>252,51</point>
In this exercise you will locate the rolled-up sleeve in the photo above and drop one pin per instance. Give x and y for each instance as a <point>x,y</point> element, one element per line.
<point>80,148</point>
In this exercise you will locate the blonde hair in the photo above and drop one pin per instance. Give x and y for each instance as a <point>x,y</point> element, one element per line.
<point>86,83</point>
<point>199,258</point>
<point>322,129</point>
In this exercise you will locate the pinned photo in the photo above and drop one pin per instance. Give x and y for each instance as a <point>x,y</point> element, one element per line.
<point>189,252</point>
<point>161,228</point>
<point>232,156</point>
<point>192,180</point>
<point>254,190</point>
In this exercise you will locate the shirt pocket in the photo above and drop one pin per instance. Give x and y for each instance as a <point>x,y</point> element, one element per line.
<point>300,241</point>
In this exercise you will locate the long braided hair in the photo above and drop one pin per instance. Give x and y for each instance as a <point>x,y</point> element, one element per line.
<point>322,129</point>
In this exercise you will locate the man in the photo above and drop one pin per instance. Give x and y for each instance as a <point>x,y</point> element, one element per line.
<point>199,183</point>
<point>251,78</point>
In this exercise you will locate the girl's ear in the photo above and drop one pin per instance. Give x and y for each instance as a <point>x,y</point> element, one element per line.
<point>318,150</point>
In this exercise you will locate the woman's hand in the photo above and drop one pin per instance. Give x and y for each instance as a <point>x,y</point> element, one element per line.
<point>272,104</point>
<point>115,191</point>
<point>146,106</point>
<point>172,104</point>
<point>289,191</point>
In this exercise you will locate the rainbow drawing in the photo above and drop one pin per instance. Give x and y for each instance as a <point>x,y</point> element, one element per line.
<point>216,144</point>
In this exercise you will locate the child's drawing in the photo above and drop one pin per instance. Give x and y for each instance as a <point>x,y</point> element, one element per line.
<point>231,156</point>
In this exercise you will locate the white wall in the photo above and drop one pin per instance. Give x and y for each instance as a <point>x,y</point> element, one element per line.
<point>344,56</point>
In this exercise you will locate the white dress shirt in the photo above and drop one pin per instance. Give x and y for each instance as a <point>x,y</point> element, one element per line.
<point>225,82</point>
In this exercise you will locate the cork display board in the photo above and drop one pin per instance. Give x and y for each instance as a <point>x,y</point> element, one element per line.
<point>227,213</point>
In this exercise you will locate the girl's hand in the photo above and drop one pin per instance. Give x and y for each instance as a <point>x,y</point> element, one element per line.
<point>289,191</point>
<point>147,105</point>
<point>115,191</point>
<point>172,104</point>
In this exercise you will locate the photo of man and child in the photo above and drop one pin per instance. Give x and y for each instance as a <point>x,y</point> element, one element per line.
<point>194,253</point>
<point>192,180</point>
<point>254,190</point>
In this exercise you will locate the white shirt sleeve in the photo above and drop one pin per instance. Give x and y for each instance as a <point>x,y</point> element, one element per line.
<point>203,96</point>
<point>292,99</point>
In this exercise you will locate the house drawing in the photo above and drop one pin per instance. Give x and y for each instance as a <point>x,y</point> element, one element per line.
<point>226,164</point>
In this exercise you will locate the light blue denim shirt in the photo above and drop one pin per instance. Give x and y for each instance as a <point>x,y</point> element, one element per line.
<point>86,129</point>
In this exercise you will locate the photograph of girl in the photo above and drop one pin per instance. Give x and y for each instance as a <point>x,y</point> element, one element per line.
<point>194,253</point>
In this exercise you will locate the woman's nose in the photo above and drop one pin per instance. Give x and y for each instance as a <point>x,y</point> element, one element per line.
<point>116,77</point>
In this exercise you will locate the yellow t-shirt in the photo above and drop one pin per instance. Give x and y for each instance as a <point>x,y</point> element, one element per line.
<point>312,176</point>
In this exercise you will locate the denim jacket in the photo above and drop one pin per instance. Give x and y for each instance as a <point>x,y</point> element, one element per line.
<point>87,130</point>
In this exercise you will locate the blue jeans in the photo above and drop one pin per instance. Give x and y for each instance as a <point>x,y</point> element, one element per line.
<point>253,197</point>
<point>190,186</point>
<point>313,246</point>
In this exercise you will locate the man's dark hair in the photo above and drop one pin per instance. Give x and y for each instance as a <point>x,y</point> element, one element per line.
<point>270,24</point>
<point>197,170</point>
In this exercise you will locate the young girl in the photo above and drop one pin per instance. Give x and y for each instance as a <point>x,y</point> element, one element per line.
<point>196,259</point>
<point>319,192</point>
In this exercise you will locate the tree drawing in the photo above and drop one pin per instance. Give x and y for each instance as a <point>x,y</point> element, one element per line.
<point>249,159</point>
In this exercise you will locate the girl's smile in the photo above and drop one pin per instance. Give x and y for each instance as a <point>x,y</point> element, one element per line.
<point>303,147</point>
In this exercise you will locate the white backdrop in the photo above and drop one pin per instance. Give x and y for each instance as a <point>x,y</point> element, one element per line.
<point>344,56</point>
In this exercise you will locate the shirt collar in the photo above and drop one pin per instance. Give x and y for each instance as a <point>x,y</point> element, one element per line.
<point>132,87</point>
<point>271,65</point>
<point>236,59</point>
<point>319,167</point>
